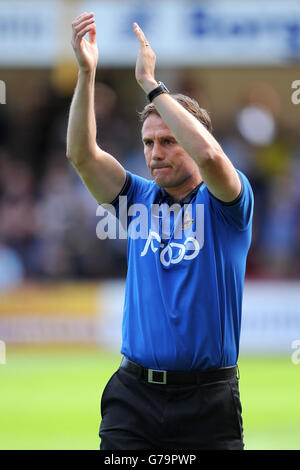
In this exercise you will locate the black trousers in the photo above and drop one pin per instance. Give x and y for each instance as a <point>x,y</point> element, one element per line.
<point>138,415</point>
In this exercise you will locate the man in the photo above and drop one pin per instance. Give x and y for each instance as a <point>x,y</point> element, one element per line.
<point>177,385</point>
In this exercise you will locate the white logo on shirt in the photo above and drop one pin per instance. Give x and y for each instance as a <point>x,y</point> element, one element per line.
<point>172,253</point>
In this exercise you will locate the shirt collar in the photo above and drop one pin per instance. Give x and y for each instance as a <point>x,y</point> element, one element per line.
<point>164,197</point>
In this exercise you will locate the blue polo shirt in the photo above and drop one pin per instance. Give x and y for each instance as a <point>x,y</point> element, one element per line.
<point>186,269</point>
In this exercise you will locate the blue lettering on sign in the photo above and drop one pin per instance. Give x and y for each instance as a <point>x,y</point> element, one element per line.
<point>26,27</point>
<point>206,24</point>
<point>201,23</point>
<point>294,39</point>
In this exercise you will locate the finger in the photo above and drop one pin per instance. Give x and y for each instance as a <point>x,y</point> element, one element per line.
<point>81,17</point>
<point>92,34</point>
<point>140,35</point>
<point>83,32</point>
<point>80,28</point>
<point>83,24</point>
<point>78,19</point>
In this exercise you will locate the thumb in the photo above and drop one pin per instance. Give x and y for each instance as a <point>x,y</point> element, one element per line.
<point>92,34</point>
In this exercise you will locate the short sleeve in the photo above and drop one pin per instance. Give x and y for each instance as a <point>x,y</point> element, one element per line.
<point>135,192</point>
<point>135,189</point>
<point>239,212</point>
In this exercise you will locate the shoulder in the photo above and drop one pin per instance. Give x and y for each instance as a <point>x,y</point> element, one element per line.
<point>238,213</point>
<point>137,188</point>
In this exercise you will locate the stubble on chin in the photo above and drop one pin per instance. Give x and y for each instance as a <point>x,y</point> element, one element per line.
<point>169,182</point>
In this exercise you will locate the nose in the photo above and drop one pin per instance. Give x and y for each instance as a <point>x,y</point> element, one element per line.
<point>157,151</point>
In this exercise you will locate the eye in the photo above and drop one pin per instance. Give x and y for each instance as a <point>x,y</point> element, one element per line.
<point>168,142</point>
<point>147,143</point>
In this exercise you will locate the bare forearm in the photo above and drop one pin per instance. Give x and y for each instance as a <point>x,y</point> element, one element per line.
<point>82,130</point>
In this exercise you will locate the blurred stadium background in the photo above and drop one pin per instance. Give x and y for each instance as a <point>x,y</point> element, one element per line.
<point>61,288</point>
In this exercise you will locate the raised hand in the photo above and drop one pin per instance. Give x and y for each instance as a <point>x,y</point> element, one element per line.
<point>145,63</point>
<point>86,51</point>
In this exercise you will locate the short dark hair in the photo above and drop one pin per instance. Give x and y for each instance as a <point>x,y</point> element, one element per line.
<point>190,104</point>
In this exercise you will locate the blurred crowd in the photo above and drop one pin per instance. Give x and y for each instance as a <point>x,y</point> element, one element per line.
<point>48,219</point>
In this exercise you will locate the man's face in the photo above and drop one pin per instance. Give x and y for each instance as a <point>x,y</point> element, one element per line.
<point>168,163</point>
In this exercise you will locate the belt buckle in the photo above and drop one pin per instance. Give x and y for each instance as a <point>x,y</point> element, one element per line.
<point>151,379</point>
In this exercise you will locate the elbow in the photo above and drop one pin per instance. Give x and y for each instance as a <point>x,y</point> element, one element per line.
<point>75,160</point>
<point>75,156</point>
<point>69,150</point>
<point>80,157</point>
<point>210,155</point>
<point>70,156</point>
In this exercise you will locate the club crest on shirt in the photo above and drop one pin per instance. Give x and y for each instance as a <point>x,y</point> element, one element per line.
<point>187,221</point>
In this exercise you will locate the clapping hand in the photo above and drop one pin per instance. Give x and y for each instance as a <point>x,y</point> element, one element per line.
<point>86,51</point>
<point>145,63</point>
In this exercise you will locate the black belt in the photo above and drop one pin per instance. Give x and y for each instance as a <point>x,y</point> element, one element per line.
<point>179,377</point>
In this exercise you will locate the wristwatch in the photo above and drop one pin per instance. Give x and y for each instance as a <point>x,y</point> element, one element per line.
<point>157,91</point>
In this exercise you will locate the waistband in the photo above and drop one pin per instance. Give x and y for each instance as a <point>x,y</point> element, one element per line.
<point>164,377</point>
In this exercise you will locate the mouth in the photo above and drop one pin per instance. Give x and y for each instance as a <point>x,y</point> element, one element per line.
<point>160,172</point>
<point>155,168</point>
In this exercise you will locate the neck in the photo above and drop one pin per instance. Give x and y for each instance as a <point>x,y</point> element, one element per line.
<point>179,192</point>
